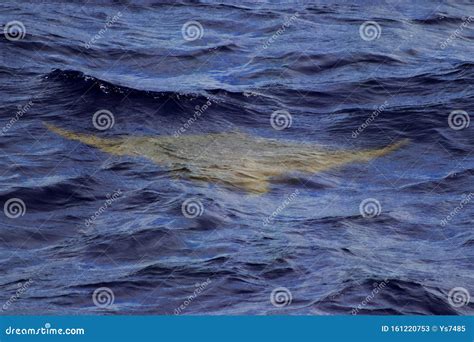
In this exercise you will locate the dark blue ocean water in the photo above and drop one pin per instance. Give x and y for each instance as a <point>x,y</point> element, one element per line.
<point>89,221</point>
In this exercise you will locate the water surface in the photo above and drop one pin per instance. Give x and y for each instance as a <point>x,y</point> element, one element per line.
<point>126,223</point>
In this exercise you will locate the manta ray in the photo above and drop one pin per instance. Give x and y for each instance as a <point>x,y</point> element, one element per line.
<point>233,159</point>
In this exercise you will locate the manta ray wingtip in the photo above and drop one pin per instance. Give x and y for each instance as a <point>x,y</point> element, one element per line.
<point>55,129</point>
<point>398,144</point>
<point>90,140</point>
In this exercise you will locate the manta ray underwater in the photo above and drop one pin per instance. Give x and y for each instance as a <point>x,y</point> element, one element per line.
<point>235,160</point>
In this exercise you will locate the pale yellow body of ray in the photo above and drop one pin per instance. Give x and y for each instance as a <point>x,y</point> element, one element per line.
<point>232,159</point>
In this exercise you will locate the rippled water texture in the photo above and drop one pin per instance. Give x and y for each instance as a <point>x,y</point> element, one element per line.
<point>236,158</point>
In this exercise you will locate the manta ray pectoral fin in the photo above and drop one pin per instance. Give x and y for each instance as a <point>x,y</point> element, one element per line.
<point>371,154</point>
<point>260,181</point>
<point>251,186</point>
<point>113,146</point>
<point>84,138</point>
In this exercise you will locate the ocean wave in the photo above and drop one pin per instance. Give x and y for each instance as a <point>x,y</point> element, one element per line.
<point>307,232</point>
<point>380,297</point>
<point>80,79</point>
